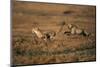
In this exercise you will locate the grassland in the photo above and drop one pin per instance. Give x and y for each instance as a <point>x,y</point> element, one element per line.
<point>64,48</point>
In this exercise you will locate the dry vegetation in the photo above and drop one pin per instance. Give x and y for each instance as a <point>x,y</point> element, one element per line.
<point>27,49</point>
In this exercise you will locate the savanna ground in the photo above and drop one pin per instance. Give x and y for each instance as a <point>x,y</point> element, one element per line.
<point>64,48</point>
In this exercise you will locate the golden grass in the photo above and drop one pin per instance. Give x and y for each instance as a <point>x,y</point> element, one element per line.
<point>27,49</point>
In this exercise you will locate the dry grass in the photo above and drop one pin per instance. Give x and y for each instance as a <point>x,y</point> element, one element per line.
<point>27,49</point>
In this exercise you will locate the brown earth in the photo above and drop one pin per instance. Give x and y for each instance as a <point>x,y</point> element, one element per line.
<point>64,48</point>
